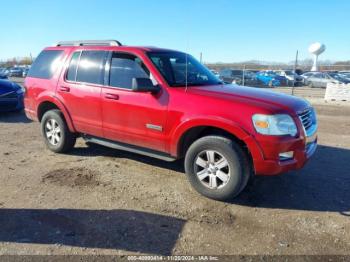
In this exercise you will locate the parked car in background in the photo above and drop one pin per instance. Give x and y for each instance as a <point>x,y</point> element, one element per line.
<point>249,78</point>
<point>11,96</point>
<point>15,71</point>
<point>299,71</point>
<point>3,73</point>
<point>234,76</point>
<point>345,74</point>
<point>337,76</point>
<point>292,78</point>
<point>307,75</point>
<point>319,79</point>
<point>270,78</point>
<point>216,73</point>
<point>237,76</point>
<point>25,72</point>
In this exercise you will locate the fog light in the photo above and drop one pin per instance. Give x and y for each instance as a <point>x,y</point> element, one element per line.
<point>286,155</point>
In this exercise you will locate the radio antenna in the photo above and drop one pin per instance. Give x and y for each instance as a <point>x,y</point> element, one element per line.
<point>186,71</point>
<point>187,47</point>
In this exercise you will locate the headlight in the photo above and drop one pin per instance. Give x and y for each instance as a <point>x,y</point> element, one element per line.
<point>275,125</point>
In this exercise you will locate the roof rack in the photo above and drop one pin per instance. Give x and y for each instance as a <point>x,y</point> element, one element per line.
<point>89,43</point>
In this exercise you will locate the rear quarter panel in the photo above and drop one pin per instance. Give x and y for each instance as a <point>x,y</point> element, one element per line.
<point>40,90</point>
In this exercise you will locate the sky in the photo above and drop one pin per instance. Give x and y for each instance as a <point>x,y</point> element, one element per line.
<point>223,30</point>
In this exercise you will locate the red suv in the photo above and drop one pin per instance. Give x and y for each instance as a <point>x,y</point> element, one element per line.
<point>165,104</point>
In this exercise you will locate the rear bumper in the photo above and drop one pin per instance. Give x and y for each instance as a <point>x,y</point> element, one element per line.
<point>30,114</point>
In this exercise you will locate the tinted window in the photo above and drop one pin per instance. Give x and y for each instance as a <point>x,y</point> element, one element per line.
<point>45,64</point>
<point>91,67</point>
<point>124,68</point>
<point>73,66</point>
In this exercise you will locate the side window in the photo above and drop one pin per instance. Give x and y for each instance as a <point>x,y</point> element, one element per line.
<point>91,67</point>
<point>125,67</point>
<point>46,64</point>
<point>73,66</point>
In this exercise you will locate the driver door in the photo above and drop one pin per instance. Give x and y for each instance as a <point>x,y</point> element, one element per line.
<point>136,118</point>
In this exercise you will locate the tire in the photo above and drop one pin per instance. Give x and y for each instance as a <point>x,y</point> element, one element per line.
<point>237,168</point>
<point>61,139</point>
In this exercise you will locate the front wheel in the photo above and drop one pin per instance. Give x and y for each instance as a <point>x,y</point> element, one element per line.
<point>217,167</point>
<point>55,131</point>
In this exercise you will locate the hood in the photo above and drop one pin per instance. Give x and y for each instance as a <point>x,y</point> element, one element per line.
<point>266,99</point>
<point>7,86</point>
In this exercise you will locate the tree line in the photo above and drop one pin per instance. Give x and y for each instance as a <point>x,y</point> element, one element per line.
<point>16,61</point>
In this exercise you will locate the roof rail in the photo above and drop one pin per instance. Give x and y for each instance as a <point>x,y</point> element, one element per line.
<point>89,43</point>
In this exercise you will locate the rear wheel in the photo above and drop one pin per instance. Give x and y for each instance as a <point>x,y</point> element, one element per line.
<point>55,131</point>
<point>217,167</point>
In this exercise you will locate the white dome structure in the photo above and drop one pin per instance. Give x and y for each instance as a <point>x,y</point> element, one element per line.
<point>316,49</point>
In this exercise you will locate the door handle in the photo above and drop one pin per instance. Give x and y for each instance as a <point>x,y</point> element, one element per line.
<point>111,96</point>
<point>64,88</point>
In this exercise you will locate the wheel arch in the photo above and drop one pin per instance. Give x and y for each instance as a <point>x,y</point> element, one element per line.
<point>50,103</point>
<point>186,134</point>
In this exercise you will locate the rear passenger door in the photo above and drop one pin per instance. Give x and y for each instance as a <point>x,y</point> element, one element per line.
<point>80,90</point>
<point>136,118</point>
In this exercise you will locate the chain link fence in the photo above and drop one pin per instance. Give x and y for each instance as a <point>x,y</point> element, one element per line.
<point>281,78</point>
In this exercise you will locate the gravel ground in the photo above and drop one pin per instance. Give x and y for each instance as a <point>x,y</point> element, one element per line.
<point>97,200</point>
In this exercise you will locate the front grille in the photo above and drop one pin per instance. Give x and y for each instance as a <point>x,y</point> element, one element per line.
<point>307,118</point>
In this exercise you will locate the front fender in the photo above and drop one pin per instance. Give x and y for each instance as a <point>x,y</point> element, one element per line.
<point>229,126</point>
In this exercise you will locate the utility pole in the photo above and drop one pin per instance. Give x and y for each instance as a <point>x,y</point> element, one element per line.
<point>201,57</point>
<point>295,68</point>
<point>243,77</point>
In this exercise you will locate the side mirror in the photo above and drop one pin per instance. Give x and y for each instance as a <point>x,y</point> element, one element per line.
<point>144,85</point>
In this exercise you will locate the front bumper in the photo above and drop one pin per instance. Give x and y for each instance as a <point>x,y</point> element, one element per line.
<point>11,104</point>
<point>277,166</point>
<point>270,162</point>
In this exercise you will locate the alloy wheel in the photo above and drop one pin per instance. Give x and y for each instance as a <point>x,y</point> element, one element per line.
<point>53,132</point>
<point>212,169</point>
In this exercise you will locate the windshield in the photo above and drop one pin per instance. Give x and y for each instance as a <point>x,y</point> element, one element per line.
<point>174,65</point>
